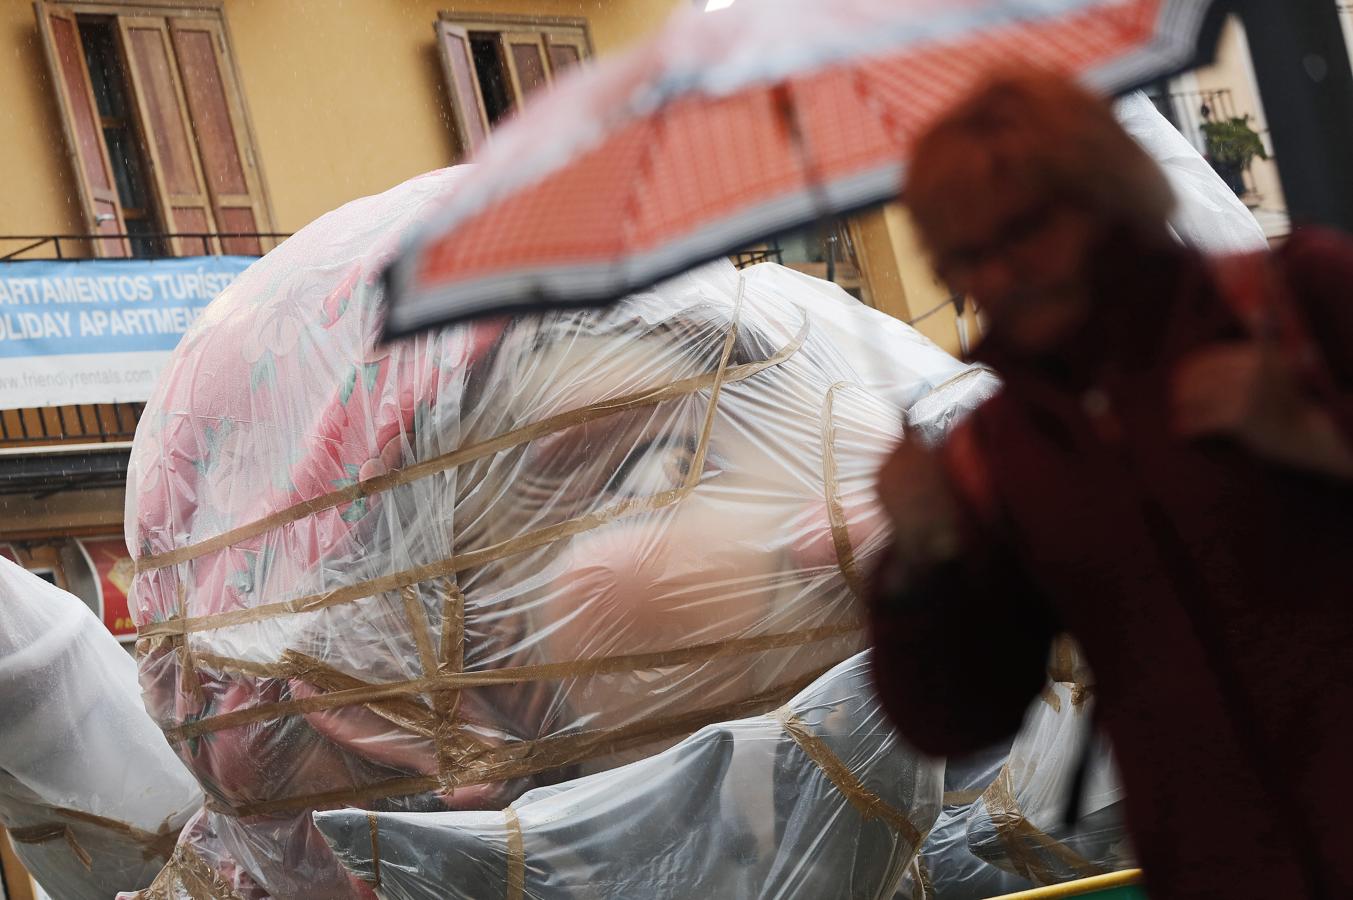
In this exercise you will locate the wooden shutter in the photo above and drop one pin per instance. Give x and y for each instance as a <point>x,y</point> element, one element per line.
<point>84,133</point>
<point>162,112</point>
<point>526,62</point>
<point>462,85</point>
<point>566,50</point>
<point>216,111</point>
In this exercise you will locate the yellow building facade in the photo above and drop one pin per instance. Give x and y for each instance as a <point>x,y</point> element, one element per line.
<point>345,99</point>
<point>330,100</point>
<point>324,101</point>
<point>342,99</point>
<point>302,106</point>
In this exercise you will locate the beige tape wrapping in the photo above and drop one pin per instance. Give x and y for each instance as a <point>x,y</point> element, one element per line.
<point>1066,667</point>
<point>449,566</point>
<point>524,758</point>
<point>962,798</point>
<point>451,661</point>
<point>188,677</point>
<point>922,888</point>
<point>836,514</point>
<point>865,801</point>
<point>419,705</point>
<point>188,872</point>
<point>345,690</point>
<point>516,856</point>
<point>154,845</point>
<point>42,834</point>
<point>373,825</point>
<point>469,453</point>
<point>1031,850</point>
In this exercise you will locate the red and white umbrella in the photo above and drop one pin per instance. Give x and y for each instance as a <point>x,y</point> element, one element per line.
<point>730,126</point>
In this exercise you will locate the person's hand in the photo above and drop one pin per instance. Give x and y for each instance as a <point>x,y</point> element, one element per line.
<point>1242,390</point>
<point>915,492</point>
<point>1248,391</point>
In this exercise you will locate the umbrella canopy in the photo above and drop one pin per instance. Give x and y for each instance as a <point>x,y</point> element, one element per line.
<point>731,126</point>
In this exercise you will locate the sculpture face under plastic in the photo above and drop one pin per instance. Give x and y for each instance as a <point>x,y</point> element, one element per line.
<point>817,800</point>
<point>91,795</point>
<point>434,575</point>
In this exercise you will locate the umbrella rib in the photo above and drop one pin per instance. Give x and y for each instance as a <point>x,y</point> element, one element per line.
<point>788,112</point>
<point>876,105</point>
<point>629,209</point>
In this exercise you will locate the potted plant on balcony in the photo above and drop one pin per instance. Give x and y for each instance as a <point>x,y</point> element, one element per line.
<point>1231,146</point>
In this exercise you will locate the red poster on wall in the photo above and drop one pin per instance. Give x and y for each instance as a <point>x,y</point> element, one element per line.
<point>113,574</point>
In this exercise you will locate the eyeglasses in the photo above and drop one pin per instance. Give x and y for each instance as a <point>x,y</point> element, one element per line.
<point>960,262</point>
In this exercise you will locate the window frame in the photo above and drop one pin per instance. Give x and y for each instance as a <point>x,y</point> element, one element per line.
<point>543,32</point>
<point>116,11</point>
<point>91,196</point>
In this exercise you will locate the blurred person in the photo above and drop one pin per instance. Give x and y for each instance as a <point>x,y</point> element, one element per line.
<point>1165,475</point>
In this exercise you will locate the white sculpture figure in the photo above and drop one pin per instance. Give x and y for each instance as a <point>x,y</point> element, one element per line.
<point>90,792</point>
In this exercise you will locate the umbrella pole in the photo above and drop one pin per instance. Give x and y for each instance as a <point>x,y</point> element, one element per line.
<point>1301,62</point>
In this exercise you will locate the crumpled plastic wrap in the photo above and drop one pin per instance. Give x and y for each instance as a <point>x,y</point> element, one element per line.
<point>930,418</point>
<point>434,575</point>
<point>1207,213</point>
<point>819,799</point>
<point>92,796</point>
<point>947,869</point>
<point>1002,827</point>
<point>200,868</point>
<point>1019,823</point>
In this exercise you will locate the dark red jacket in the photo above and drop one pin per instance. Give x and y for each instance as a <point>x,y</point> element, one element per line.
<point>1209,589</point>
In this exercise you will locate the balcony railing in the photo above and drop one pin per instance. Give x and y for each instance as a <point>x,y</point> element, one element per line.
<point>30,429</point>
<point>94,423</point>
<point>1189,111</point>
<point>746,258</point>
<point>144,245</point>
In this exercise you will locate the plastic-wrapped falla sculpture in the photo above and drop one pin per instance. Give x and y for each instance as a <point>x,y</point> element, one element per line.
<point>91,795</point>
<point>433,575</point>
<point>819,799</point>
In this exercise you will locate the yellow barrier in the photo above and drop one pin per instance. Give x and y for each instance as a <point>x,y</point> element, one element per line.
<point>1080,887</point>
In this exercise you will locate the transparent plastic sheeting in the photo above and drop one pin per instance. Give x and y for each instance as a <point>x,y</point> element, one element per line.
<point>947,869</point>
<point>930,418</point>
<point>1002,828</point>
<point>91,795</point>
<point>434,575</point>
<point>1019,825</point>
<point>818,799</point>
<point>1208,214</point>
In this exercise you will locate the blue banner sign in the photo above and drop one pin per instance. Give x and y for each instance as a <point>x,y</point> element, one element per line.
<point>99,331</point>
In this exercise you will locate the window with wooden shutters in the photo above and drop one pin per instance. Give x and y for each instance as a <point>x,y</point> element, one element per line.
<point>217,112</point>
<point>174,162</point>
<point>493,63</point>
<point>89,157</point>
<point>192,155</point>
